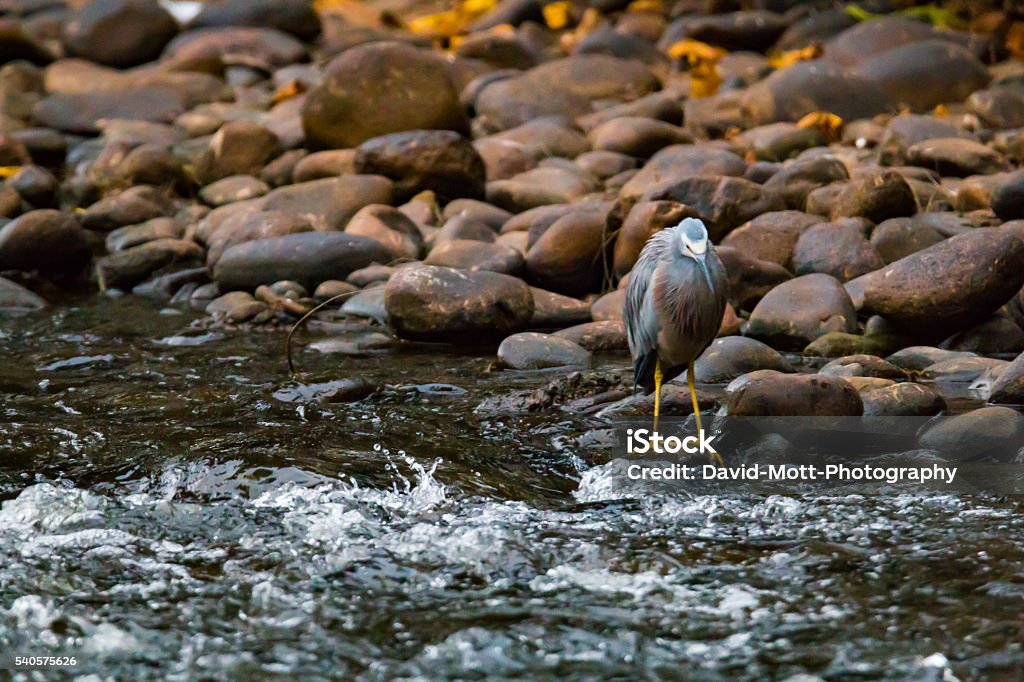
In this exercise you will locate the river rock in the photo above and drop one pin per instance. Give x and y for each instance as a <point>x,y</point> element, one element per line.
<point>81,112</point>
<point>863,365</point>
<point>866,39</point>
<point>660,106</point>
<point>568,257</point>
<point>390,227</point>
<point>965,369</point>
<point>1009,387</point>
<point>952,156</point>
<point>904,399</point>
<point>644,220</point>
<point>467,254</point>
<point>733,356</point>
<point>551,310</point>
<point>308,258</point>
<point>36,185</point>
<point>998,335</point>
<point>330,203</point>
<point>607,335</point>
<point>609,306</point>
<point>208,48</point>
<point>876,196</point>
<point>771,236</point>
<point>236,306</point>
<point>635,136</point>
<point>603,165</point>
<point>674,163</point>
<point>349,107</point>
<point>907,130</point>
<point>296,17</point>
<point>981,270</point>
<point>798,311</point>
<point>897,238</point>
<point>238,148</point>
<point>794,181</point>
<point>917,358</point>
<point>478,210</point>
<point>986,434</point>
<point>16,44</point>
<point>245,226</point>
<point>998,108</point>
<point>754,30</point>
<point>530,350</point>
<point>749,278</point>
<point>925,73</point>
<point>431,303</point>
<point>15,298</point>
<point>45,240</point>
<point>124,269</point>
<point>839,248</point>
<point>562,87</point>
<point>767,393</point>
<point>118,33</point>
<point>151,230</point>
<point>233,188</point>
<point>817,85</point>
<point>1008,197</point>
<point>539,187</point>
<point>132,206</point>
<point>438,160</point>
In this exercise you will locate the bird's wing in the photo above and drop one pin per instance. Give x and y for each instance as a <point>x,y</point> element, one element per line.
<point>641,318</point>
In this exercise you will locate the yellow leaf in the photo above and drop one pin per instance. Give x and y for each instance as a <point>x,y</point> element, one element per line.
<point>704,79</point>
<point>8,171</point>
<point>291,89</point>
<point>1015,39</point>
<point>828,123</point>
<point>781,60</point>
<point>694,51</point>
<point>451,22</point>
<point>941,110</point>
<point>557,14</point>
<point>641,6</point>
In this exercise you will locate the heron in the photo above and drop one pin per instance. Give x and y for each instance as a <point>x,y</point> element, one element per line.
<point>674,305</point>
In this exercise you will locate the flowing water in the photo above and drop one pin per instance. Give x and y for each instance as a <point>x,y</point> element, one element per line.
<point>176,507</point>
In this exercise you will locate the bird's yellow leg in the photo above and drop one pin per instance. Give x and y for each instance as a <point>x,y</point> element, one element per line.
<point>715,457</point>
<point>657,392</point>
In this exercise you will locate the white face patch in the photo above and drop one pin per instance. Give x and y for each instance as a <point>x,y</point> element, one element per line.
<point>695,246</point>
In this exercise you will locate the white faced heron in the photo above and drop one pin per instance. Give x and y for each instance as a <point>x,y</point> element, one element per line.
<point>674,305</point>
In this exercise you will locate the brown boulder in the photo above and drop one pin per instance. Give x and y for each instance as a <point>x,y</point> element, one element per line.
<point>119,33</point>
<point>438,160</point>
<point>840,249</point>
<point>800,310</point>
<point>568,257</point>
<point>45,240</point>
<point>770,236</point>
<point>876,196</point>
<point>767,393</point>
<point>390,227</point>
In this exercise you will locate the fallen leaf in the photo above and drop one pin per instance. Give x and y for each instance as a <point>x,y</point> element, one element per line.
<point>828,123</point>
<point>8,171</point>
<point>781,60</point>
<point>941,110</point>
<point>291,89</point>
<point>451,22</point>
<point>703,61</point>
<point>642,6</point>
<point>1015,39</point>
<point>557,14</point>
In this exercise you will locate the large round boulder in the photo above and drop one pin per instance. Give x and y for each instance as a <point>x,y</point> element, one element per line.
<point>297,17</point>
<point>732,356</point>
<point>432,303</point>
<point>798,311</point>
<point>350,105</point>
<point>767,393</point>
<point>119,33</point>
<point>568,258</point>
<point>438,160</point>
<point>986,434</point>
<point>530,350</point>
<point>45,240</point>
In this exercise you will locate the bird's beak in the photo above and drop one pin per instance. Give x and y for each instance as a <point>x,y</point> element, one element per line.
<point>704,268</point>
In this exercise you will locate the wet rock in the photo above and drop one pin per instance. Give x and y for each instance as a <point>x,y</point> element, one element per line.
<point>981,271</point>
<point>779,141</point>
<point>390,227</point>
<point>119,33</point>
<point>36,185</point>
<point>370,275</point>
<point>245,226</point>
<point>81,112</point>
<point>675,402</point>
<point>897,238</point>
<point>904,399</point>
<point>467,254</point>
<point>15,299</point>
<point>173,285</point>
<point>877,197</point>
<point>151,230</point>
<point>998,335</point>
<point>1008,197</point>
<point>863,365</point>
<point>367,303</point>
<point>798,311</point>
<point>609,41</point>
<point>568,257</point>
<point>733,356</point>
<point>538,187</point>
<point>124,269</point>
<point>17,44</point>
<point>925,73</point>
<point>1009,387</point>
<point>608,335</point>
<point>865,384</point>
<point>45,240</point>
<point>308,258</point>
<point>504,159</point>
<point>998,108</point>
<point>634,136</point>
<point>731,323</point>
<point>150,165</point>
<point>296,17</point>
<point>907,130</point>
<point>659,106</point>
<point>349,106</point>
<point>238,148</point>
<point>208,48</point>
<point>749,278</point>
<point>332,288</point>
<point>916,358</point>
<point>551,310</point>
<point>499,50</point>
<point>644,220</point>
<point>866,39</point>
<point>326,164</point>
<point>12,151</point>
<point>233,188</point>
<point>791,93</point>
<point>562,87</point>
<point>236,306</point>
<point>840,249</point>
<point>986,434</point>
<point>546,136</point>
<point>674,163</point>
<point>754,30</point>
<point>427,303</point>
<point>769,393</point>
<point>530,350</point>
<point>130,207</point>
<point>478,210</point>
<point>956,157</point>
<point>723,203</point>
<point>609,306</point>
<point>964,369</point>
<point>796,180</point>
<point>438,160</point>
<point>330,203</point>
<point>770,236</point>
<point>603,165</point>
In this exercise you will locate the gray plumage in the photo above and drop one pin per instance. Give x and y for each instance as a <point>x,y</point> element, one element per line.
<point>674,307</point>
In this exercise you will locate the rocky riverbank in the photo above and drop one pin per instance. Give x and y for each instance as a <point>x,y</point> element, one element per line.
<point>488,175</point>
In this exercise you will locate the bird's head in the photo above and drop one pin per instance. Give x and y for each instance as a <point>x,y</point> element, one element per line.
<point>694,244</point>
